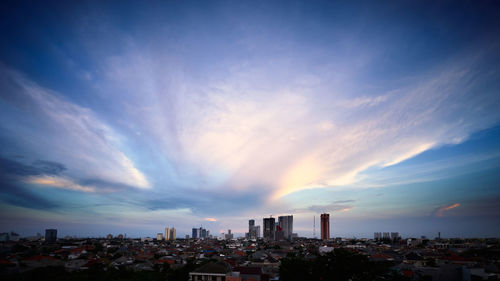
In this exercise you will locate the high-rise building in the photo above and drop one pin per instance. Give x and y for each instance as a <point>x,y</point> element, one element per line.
<point>50,235</point>
<point>172,234</point>
<point>229,235</point>
<point>269,228</point>
<point>195,233</point>
<point>377,235</point>
<point>159,236</point>
<point>253,231</point>
<point>394,235</point>
<point>203,233</point>
<point>386,235</point>
<point>325,226</point>
<point>286,225</point>
<point>167,233</point>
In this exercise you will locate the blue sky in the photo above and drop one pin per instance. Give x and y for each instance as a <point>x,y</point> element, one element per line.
<point>126,117</point>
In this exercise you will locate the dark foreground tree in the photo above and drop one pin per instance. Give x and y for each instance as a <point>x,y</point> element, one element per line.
<point>340,265</point>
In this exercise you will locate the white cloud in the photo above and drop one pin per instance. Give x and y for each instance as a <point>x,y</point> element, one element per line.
<point>73,135</point>
<point>254,127</point>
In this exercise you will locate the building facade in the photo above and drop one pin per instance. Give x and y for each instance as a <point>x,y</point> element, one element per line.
<point>269,228</point>
<point>325,226</point>
<point>50,235</point>
<point>172,234</point>
<point>167,233</point>
<point>286,225</point>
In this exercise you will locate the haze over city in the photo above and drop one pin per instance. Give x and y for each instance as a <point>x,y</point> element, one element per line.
<point>126,118</point>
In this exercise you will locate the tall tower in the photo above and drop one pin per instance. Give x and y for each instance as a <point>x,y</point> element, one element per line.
<point>269,228</point>
<point>167,233</point>
<point>286,224</point>
<point>252,230</point>
<point>172,234</point>
<point>325,226</point>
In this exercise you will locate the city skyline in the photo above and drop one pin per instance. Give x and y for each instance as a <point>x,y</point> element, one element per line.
<point>132,119</point>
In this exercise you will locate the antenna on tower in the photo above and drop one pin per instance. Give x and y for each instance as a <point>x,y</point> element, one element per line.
<point>314,226</point>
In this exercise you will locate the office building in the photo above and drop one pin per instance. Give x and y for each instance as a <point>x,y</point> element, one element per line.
<point>377,235</point>
<point>167,233</point>
<point>50,235</point>
<point>279,234</point>
<point>172,234</point>
<point>286,225</point>
<point>195,233</point>
<point>269,228</point>
<point>394,235</point>
<point>253,231</point>
<point>325,226</point>
<point>159,236</point>
<point>229,235</point>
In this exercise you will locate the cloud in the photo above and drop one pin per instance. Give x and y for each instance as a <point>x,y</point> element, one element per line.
<point>439,212</point>
<point>336,206</point>
<point>59,183</point>
<point>210,219</point>
<point>66,133</point>
<point>259,124</point>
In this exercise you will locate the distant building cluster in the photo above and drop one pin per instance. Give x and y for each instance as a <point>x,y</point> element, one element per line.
<point>280,230</point>
<point>170,234</point>
<point>244,259</point>
<point>9,236</point>
<point>200,233</point>
<point>386,235</point>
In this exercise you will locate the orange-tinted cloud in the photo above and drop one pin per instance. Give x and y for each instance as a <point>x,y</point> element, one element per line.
<point>440,211</point>
<point>210,219</point>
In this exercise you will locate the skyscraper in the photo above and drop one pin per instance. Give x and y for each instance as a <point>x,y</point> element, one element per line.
<point>172,234</point>
<point>50,235</point>
<point>325,226</point>
<point>253,231</point>
<point>195,233</point>
<point>286,225</point>
<point>269,228</point>
<point>167,233</point>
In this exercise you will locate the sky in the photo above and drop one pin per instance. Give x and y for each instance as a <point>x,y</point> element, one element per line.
<point>129,117</point>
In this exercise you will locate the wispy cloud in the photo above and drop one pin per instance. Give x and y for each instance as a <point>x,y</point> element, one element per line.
<point>67,133</point>
<point>210,219</point>
<point>59,183</point>
<point>336,206</point>
<point>254,127</point>
<point>439,212</point>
